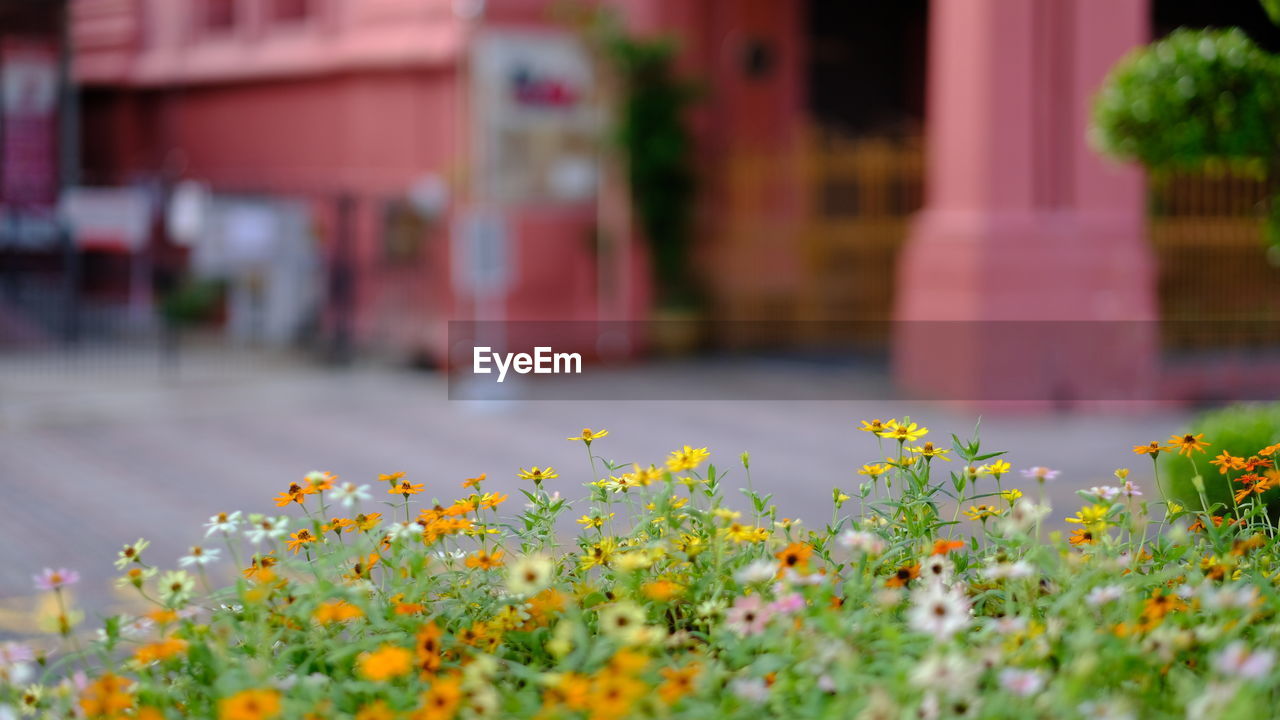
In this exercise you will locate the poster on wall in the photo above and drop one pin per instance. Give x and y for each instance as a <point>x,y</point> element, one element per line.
<point>534,96</point>
<point>28,124</point>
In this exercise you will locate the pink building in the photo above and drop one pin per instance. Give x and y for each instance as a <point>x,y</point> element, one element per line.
<point>809,137</point>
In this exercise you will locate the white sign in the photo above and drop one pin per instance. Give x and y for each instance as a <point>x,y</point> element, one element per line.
<point>113,217</point>
<point>482,253</point>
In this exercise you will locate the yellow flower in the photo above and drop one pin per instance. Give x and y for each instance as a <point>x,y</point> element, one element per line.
<point>645,476</point>
<point>588,435</point>
<point>593,521</point>
<point>1122,473</point>
<point>250,705</point>
<point>929,451</point>
<point>1011,495</point>
<point>873,470</point>
<point>1187,444</point>
<point>1093,517</point>
<point>599,554</point>
<point>388,661</point>
<point>538,474</point>
<point>740,533</point>
<point>686,458</point>
<point>996,468</point>
<point>876,426</point>
<point>982,512</point>
<point>908,432</point>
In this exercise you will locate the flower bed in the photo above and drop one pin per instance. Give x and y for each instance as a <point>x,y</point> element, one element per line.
<point>368,603</point>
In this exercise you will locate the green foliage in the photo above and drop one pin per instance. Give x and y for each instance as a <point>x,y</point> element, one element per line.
<point>1196,95</point>
<point>193,302</point>
<point>1196,99</point>
<point>658,150</point>
<point>1241,430</point>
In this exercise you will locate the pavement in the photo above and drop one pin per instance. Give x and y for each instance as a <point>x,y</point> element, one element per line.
<point>97,450</point>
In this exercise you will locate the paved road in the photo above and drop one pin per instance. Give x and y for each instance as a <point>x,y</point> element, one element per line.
<point>98,453</point>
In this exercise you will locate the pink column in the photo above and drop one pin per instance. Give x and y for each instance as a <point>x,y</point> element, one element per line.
<point>1027,275</point>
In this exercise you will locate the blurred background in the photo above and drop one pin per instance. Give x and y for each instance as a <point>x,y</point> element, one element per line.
<point>233,234</point>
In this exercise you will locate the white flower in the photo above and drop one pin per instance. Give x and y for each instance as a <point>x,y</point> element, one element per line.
<point>264,528</point>
<point>1009,624</point>
<point>757,571</point>
<point>750,689</point>
<point>1006,570</point>
<point>136,627</point>
<point>131,553</point>
<point>222,523</point>
<point>1023,515</point>
<point>936,569</point>
<point>1024,683</point>
<point>404,531</point>
<point>938,611</point>
<point>529,575</point>
<point>1238,661</point>
<point>175,587</point>
<point>861,541</point>
<point>199,556</point>
<point>348,494</point>
<point>449,556</point>
<point>1104,594</point>
<point>952,674</point>
<point>1239,597</point>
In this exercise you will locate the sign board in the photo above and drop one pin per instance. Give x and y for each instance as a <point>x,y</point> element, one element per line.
<point>538,116</point>
<point>28,123</point>
<point>482,253</point>
<point>107,218</point>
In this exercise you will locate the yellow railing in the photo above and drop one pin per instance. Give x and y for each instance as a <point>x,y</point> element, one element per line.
<point>844,206</point>
<point>1217,287</point>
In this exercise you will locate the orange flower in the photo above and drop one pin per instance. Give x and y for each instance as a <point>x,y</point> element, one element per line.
<point>485,561</point>
<point>903,575</point>
<point>427,646</point>
<point>1187,444</point>
<point>365,523</point>
<point>441,701</point>
<point>475,481</point>
<point>1227,462</point>
<point>405,488</point>
<point>300,539</point>
<point>385,663</point>
<point>1082,536</point>
<point>794,557</point>
<point>296,493</point>
<point>321,481</point>
<point>678,682</point>
<point>336,611</point>
<point>107,697</point>
<point>661,590</point>
<point>942,547</point>
<point>250,705</point>
<point>160,650</point>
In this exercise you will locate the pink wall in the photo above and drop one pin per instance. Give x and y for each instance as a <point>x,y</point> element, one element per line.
<point>1023,221</point>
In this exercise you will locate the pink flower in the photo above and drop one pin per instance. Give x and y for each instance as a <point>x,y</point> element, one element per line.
<point>748,616</point>
<point>787,604</point>
<point>1021,682</point>
<point>55,579</point>
<point>1040,473</point>
<point>12,653</point>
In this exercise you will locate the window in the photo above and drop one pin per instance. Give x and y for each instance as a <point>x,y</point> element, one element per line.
<point>290,10</point>
<point>219,15</point>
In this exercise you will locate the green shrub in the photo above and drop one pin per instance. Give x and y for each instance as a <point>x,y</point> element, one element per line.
<point>1240,430</point>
